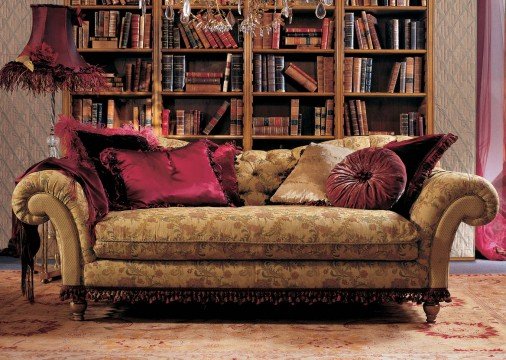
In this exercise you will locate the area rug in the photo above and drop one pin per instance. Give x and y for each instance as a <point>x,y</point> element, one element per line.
<point>471,327</point>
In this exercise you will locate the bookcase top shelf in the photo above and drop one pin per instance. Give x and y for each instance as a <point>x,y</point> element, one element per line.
<point>294,51</point>
<point>387,10</point>
<point>384,52</point>
<point>196,137</point>
<point>202,51</point>
<point>201,94</point>
<point>121,51</point>
<point>384,95</point>
<point>292,137</point>
<point>293,94</point>
<point>301,8</point>
<point>129,94</point>
<point>110,7</point>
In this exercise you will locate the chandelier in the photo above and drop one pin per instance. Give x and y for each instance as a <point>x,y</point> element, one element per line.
<point>214,19</point>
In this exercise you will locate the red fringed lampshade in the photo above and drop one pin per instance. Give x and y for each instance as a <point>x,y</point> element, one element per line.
<point>50,61</point>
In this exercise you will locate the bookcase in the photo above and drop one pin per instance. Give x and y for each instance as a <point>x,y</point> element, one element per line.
<point>325,65</point>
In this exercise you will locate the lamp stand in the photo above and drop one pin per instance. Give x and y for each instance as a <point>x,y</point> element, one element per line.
<point>47,261</point>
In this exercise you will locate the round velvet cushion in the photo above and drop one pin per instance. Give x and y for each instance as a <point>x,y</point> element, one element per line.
<point>371,178</point>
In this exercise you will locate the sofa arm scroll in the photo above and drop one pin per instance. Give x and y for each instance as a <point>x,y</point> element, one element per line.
<point>447,199</point>
<point>51,195</point>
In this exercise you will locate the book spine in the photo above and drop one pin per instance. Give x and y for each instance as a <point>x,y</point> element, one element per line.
<point>328,74</point>
<point>167,73</point>
<point>206,81</point>
<point>317,121</point>
<point>361,37</point>
<point>204,75</point>
<point>279,77</point>
<point>147,31</point>
<point>357,70</point>
<point>177,37</point>
<point>363,74</point>
<point>142,29</point>
<point>407,33</point>
<point>236,73</point>
<point>149,113</point>
<point>412,116</point>
<point>202,36</point>
<point>126,35</point>
<point>110,114</point>
<point>365,124</point>
<point>184,35</point>
<point>368,80</point>
<point>240,117</point>
<point>135,31</point>
<point>294,117</point>
<point>271,73</point>
<point>414,25</point>
<point>100,115</point>
<point>216,117</point>
<point>354,118</point>
<point>290,41</point>
<point>329,117</point>
<point>404,124</point>
<point>320,77</point>
<point>420,126</point>
<point>233,116</point>
<point>137,74</point>
<point>418,71</point>
<point>402,78</point>
<point>410,72</point>
<point>395,34</point>
<point>325,33</point>
<point>179,67</point>
<point>301,78</point>
<point>394,75</point>
<point>180,122</point>
<point>360,116</point>
<point>205,88</point>
<point>348,74</point>
<point>276,32</point>
<point>349,30</point>
<point>257,72</point>
<point>372,21</point>
<point>226,79</point>
<point>266,38</point>
<point>367,31</point>
<point>193,31</point>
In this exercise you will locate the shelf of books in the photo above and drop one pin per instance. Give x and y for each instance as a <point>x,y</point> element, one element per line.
<point>364,68</point>
<point>386,67</point>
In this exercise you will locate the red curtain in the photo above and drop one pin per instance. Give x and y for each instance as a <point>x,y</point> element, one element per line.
<point>491,126</point>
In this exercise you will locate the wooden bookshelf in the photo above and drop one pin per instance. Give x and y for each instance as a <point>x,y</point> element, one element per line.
<point>383,108</point>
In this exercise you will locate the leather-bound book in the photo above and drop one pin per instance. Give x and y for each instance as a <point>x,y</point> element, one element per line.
<point>167,73</point>
<point>267,38</point>
<point>325,33</point>
<point>271,73</point>
<point>240,116</point>
<point>347,120</point>
<point>410,72</point>
<point>77,109</point>
<point>372,22</point>
<point>216,117</point>
<point>357,71</point>
<point>180,120</point>
<point>202,88</point>
<point>363,73</point>
<point>147,31</point>
<point>348,74</point>
<point>110,114</point>
<point>294,117</point>
<point>360,116</point>
<point>320,77</point>
<point>301,77</point>
<point>279,65</point>
<point>402,78</point>
<point>228,69</point>
<point>368,75</point>
<point>128,76</point>
<point>264,73</point>
<point>394,75</point>
<point>233,116</point>
<point>184,36</point>
<point>365,123</point>
<point>367,31</point>
<point>276,32</point>
<point>349,30</point>
<point>354,119</point>
<point>126,30</point>
<point>179,67</point>
<point>236,73</point>
<point>418,75</point>
<point>361,38</point>
<point>328,72</point>
<point>257,72</point>
<point>135,30</point>
<point>407,34</point>
<point>165,122</point>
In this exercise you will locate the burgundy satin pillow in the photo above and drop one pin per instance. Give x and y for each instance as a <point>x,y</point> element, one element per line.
<point>183,176</point>
<point>84,143</point>
<point>420,155</point>
<point>224,156</point>
<point>371,178</point>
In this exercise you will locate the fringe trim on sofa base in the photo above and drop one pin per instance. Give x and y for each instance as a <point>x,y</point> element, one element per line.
<point>254,296</point>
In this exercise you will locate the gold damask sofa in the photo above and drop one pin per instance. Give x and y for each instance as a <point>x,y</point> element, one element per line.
<point>259,253</point>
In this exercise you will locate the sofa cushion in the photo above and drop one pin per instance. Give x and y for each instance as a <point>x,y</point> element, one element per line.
<point>256,232</point>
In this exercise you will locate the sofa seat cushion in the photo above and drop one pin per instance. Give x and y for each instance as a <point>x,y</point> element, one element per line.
<point>256,233</point>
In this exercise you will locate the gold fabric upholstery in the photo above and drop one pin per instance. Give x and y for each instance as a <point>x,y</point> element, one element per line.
<point>256,232</point>
<point>255,274</point>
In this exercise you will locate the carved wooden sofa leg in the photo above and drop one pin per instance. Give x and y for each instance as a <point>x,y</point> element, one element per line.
<point>431,310</point>
<point>78,308</point>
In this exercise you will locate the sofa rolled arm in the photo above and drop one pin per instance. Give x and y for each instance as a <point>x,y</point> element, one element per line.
<point>52,195</point>
<point>447,199</point>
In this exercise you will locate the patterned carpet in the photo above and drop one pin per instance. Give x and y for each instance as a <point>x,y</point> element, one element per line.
<point>473,326</point>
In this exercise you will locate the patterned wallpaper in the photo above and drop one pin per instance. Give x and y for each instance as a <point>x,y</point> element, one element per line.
<point>455,93</point>
<point>24,120</point>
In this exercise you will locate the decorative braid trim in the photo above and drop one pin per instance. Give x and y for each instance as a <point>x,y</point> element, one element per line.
<point>254,296</point>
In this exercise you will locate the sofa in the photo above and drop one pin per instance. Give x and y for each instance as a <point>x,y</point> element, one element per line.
<point>258,253</point>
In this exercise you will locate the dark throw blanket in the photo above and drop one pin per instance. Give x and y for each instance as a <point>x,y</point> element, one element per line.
<point>25,241</point>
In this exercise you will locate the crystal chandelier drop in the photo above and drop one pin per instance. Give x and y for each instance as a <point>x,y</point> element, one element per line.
<point>214,19</point>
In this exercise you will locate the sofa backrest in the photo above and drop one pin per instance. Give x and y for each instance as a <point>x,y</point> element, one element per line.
<point>260,173</point>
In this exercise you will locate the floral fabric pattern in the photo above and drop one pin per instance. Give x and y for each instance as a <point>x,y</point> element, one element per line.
<point>255,274</point>
<point>277,232</point>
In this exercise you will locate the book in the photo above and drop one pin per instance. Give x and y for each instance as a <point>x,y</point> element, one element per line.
<point>125,33</point>
<point>179,67</point>
<point>257,72</point>
<point>294,117</point>
<point>410,73</point>
<point>372,22</point>
<point>271,73</point>
<point>167,73</point>
<point>367,31</point>
<point>110,114</point>
<point>317,120</point>
<point>349,33</point>
<point>348,74</point>
<point>328,74</point>
<point>301,77</point>
<point>347,119</point>
<point>233,116</point>
<point>365,125</point>
<point>418,74</point>
<point>320,74</point>
<point>216,117</point>
<point>329,117</point>
<point>402,78</point>
<point>226,76</point>
<point>357,71</point>
<point>325,33</point>
<point>180,122</point>
<point>240,117</point>
<point>276,31</point>
<point>354,119</point>
<point>394,75</point>
<point>363,74</point>
<point>279,78</point>
<point>236,73</point>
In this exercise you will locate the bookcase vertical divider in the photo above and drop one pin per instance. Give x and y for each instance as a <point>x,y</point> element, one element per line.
<point>338,61</point>
<point>157,71</point>
<point>247,86</point>
<point>429,67</point>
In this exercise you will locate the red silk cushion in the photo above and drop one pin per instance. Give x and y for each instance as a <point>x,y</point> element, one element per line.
<point>420,155</point>
<point>84,143</point>
<point>224,156</point>
<point>183,176</point>
<point>371,178</point>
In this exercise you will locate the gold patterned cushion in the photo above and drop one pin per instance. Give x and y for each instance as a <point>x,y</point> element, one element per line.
<point>256,232</point>
<point>306,183</point>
